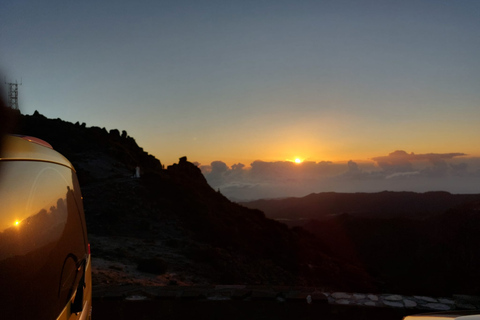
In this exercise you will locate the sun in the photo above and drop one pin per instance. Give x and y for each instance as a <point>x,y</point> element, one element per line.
<point>298,160</point>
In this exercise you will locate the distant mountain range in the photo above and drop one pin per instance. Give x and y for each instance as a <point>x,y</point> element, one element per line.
<point>382,205</point>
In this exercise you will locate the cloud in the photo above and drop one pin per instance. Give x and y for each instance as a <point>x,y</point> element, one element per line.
<point>238,167</point>
<point>400,155</point>
<point>402,174</point>
<point>269,179</point>
<point>401,161</point>
<point>397,171</point>
<point>216,172</point>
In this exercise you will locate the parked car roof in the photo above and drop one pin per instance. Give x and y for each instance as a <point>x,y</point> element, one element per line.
<point>16,147</point>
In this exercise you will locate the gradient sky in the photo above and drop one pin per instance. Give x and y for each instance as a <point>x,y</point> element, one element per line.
<point>239,81</point>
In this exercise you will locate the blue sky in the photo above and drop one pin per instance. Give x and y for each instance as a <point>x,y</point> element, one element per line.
<point>239,81</point>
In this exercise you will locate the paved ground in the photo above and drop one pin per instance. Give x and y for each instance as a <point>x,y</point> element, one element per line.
<point>230,302</point>
<point>236,309</point>
<point>261,302</point>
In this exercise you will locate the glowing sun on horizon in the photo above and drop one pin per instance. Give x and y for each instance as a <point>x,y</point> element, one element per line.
<point>298,160</point>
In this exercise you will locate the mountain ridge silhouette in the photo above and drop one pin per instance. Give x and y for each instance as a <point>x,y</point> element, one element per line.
<point>218,240</point>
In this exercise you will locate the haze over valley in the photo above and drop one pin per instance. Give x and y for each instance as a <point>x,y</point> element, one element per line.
<point>398,171</point>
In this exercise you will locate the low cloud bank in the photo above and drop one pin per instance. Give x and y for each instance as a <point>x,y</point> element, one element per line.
<point>398,171</point>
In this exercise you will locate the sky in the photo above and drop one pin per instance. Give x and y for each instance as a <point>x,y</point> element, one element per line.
<point>249,82</point>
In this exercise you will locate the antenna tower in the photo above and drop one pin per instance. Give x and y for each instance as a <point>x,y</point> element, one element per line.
<point>13,94</point>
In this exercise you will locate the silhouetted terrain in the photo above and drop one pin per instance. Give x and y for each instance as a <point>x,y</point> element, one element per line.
<point>411,242</point>
<point>374,205</point>
<point>171,221</point>
<point>436,256</point>
<point>171,224</point>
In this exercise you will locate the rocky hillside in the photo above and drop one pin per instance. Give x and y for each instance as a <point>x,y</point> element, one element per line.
<point>436,256</point>
<point>410,242</point>
<point>172,224</point>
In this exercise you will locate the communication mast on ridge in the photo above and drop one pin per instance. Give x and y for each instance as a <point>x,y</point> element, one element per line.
<point>13,94</point>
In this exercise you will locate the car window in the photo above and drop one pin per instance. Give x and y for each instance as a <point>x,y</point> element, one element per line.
<point>41,238</point>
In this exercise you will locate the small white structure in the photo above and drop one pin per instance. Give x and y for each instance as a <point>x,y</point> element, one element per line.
<point>137,172</point>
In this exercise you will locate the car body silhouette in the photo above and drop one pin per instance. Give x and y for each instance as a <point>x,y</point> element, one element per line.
<point>45,263</point>
<point>452,315</point>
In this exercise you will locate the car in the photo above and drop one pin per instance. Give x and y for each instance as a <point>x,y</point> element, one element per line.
<point>45,260</point>
<point>452,315</point>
